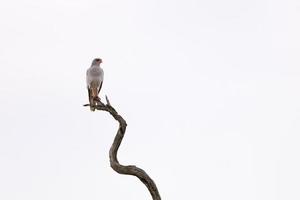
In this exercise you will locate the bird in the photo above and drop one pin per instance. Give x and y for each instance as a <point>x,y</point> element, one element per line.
<point>94,81</point>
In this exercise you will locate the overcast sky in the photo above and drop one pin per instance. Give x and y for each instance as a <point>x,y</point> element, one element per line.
<point>209,89</point>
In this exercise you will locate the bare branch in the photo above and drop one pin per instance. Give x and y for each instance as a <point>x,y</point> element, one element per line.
<point>107,100</point>
<point>114,163</point>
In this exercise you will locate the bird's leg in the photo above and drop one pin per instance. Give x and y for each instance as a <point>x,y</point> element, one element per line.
<point>98,101</point>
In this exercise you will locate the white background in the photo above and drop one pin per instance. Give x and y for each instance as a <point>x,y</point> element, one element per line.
<point>209,89</point>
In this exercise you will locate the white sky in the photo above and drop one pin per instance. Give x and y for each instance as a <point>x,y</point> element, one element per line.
<point>209,88</point>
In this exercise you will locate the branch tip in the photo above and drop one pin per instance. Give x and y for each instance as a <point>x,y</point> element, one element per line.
<point>107,100</point>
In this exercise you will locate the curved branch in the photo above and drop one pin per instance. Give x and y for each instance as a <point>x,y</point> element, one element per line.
<point>114,163</point>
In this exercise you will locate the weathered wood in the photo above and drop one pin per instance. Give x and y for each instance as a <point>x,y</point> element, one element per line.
<point>114,163</point>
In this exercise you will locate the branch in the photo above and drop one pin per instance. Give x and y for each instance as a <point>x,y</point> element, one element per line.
<point>114,163</point>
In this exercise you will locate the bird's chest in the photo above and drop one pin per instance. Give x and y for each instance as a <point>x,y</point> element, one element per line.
<point>95,72</point>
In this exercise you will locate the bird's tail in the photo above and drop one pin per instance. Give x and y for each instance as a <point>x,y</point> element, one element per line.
<point>92,104</point>
<point>92,109</point>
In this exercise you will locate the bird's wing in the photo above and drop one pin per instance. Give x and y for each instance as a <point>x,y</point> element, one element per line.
<point>101,78</point>
<point>100,87</point>
<point>89,92</point>
<point>88,78</point>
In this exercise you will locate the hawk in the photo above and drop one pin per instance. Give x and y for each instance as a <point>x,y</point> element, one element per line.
<point>94,80</point>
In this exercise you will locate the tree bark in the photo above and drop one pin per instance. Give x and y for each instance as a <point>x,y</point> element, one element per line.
<point>114,163</point>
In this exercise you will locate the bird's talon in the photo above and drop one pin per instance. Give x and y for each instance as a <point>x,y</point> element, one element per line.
<point>97,99</point>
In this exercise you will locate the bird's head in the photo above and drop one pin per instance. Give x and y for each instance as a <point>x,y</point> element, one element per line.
<point>97,61</point>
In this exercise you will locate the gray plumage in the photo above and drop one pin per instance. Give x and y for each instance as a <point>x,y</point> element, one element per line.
<point>94,81</point>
